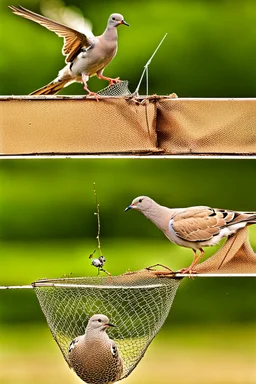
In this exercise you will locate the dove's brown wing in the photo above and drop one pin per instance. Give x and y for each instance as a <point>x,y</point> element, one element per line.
<point>197,224</point>
<point>73,40</point>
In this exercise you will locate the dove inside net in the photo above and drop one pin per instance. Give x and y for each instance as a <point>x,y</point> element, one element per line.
<point>137,303</point>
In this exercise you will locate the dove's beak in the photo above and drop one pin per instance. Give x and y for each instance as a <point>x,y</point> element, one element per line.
<point>124,22</point>
<point>129,207</point>
<point>110,325</point>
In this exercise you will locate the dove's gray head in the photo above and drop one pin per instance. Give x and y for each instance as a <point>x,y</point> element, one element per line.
<point>141,203</point>
<point>99,323</point>
<point>115,20</point>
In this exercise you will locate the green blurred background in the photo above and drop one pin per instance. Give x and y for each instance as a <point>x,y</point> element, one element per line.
<point>209,50</point>
<point>48,229</point>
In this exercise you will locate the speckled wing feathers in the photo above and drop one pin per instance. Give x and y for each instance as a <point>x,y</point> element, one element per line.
<point>200,224</point>
<point>114,350</point>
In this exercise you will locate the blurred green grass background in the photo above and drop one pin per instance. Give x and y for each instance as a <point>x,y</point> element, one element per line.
<point>48,229</point>
<point>209,50</point>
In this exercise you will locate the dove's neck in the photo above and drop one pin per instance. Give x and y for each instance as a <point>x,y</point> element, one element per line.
<point>96,334</point>
<point>159,215</point>
<point>110,33</point>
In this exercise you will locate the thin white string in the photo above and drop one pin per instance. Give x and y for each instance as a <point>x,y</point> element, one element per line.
<point>136,92</point>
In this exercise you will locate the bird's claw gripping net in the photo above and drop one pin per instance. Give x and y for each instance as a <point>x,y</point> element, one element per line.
<point>137,303</point>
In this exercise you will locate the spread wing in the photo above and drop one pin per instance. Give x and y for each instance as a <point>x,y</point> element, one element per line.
<point>202,223</point>
<point>73,40</point>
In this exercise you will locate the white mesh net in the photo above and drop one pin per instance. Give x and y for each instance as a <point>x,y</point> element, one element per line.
<point>137,303</point>
<point>118,89</point>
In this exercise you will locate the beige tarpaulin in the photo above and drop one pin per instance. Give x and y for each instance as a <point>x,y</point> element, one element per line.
<point>207,126</point>
<point>76,126</point>
<point>158,125</point>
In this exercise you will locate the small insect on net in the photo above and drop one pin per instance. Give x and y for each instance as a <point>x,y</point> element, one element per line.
<point>137,303</point>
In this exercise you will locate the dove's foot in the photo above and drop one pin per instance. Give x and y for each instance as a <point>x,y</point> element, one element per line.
<point>114,81</point>
<point>93,94</point>
<point>190,271</point>
<point>111,81</point>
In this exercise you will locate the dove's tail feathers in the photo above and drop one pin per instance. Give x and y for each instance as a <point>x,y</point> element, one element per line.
<point>52,88</point>
<point>249,217</point>
<point>252,221</point>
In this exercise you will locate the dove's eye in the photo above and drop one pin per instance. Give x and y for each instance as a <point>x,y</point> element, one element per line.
<point>113,18</point>
<point>140,200</point>
<point>99,320</point>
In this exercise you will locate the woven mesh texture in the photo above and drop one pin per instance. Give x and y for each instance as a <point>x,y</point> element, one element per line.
<point>118,89</point>
<point>188,126</point>
<point>236,256</point>
<point>137,303</point>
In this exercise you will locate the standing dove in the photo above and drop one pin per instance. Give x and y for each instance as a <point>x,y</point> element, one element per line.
<point>193,227</point>
<point>94,356</point>
<point>85,56</point>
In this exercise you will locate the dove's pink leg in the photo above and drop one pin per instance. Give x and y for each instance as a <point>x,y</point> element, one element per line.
<point>111,81</point>
<point>195,262</point>
<point>90,93</point>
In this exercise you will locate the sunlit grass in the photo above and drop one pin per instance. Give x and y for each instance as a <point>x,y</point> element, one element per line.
<point>212,355</point>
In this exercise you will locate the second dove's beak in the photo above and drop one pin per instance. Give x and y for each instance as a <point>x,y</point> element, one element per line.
<point>124,22</point>
<point>127,209</point>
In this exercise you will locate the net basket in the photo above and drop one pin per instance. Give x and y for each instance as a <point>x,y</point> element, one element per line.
<point>137,303</point>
